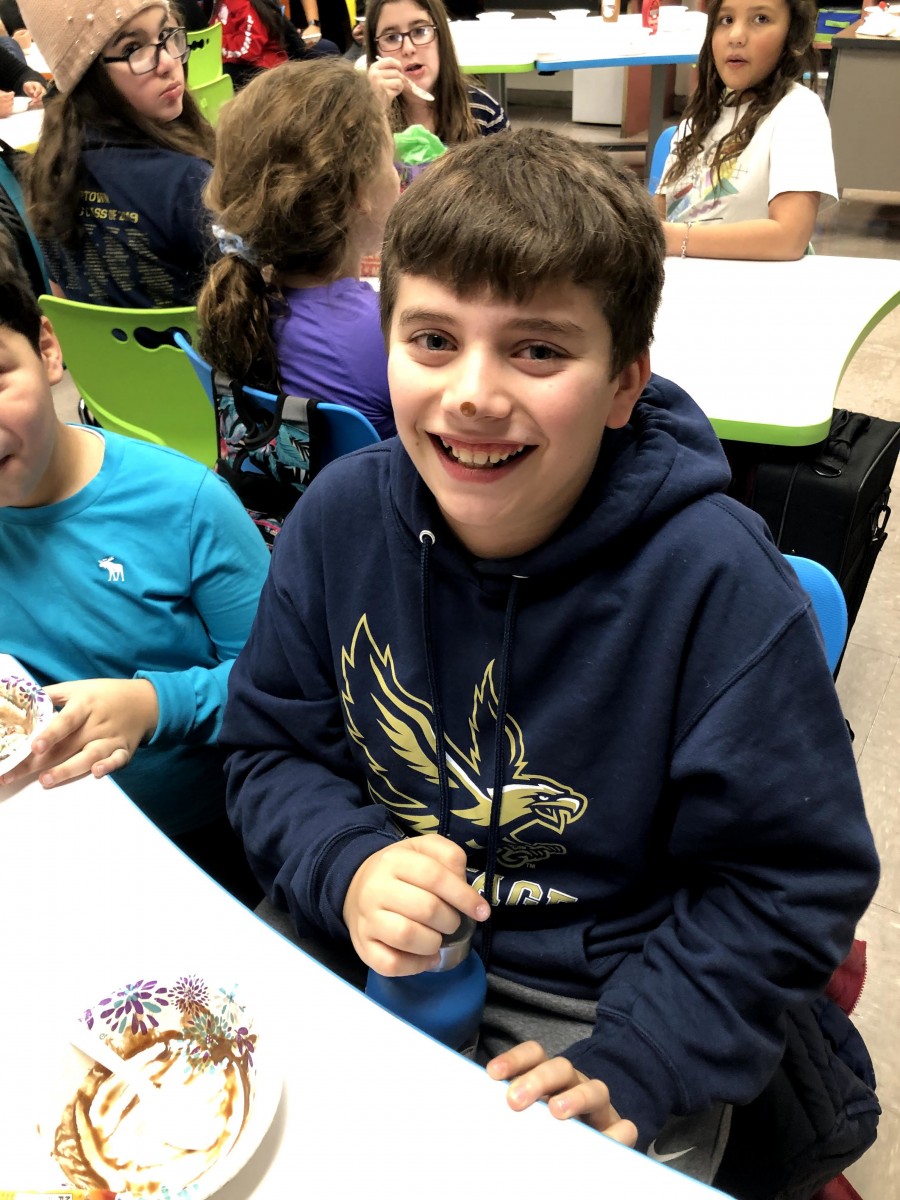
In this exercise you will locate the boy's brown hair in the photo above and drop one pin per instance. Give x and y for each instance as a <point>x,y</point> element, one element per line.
<point>18,307</point>
<point>508,214</point>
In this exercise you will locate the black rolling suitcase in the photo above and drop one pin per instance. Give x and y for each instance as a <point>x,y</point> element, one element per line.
<point>831,504</point>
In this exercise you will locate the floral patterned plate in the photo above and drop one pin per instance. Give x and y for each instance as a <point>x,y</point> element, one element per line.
<point>24,710</point>
<point>184,1031</point>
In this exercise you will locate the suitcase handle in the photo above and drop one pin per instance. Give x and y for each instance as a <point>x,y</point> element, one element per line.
<point>846,429</point>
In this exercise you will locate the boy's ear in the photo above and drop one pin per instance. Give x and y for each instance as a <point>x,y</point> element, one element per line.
<point>51,352</point>
<point>630,382</point>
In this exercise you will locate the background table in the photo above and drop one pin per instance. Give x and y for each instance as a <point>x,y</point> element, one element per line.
<point>863,102</point>
<point>498,48</point>
<point>762,347</point>
<point>90,892</point>
<point>23,129</point>
<point>625,43</point>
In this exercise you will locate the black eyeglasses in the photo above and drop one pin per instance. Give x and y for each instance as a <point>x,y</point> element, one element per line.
<point>420,35</point>
<point>144,59</point>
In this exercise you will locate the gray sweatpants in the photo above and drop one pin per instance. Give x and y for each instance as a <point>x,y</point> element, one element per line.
<point>693,1145</point>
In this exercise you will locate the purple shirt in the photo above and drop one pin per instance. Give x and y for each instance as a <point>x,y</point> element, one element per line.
<point>330,348</point>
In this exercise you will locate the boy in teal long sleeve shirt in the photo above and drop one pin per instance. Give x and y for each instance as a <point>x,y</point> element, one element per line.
<point>130,578</point>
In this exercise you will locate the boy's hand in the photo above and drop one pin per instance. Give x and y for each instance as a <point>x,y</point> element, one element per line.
<point>568,1093</point>
<point>387,78</point>
<point>403,898</point>
<point>100,724</point>
<point>6,103</point>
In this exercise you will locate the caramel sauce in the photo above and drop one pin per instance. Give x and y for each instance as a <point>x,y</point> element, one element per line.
<point>92,1141</point>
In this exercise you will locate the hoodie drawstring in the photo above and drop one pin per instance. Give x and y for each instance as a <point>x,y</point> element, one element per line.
<point>426,541</point>
<point>501,758</point>
<point>501,754</point>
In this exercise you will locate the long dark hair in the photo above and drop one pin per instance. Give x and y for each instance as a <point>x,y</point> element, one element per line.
<point>453,118</point>
<point>276,23</point>
<point>798,58</point>
<point>95,107</point>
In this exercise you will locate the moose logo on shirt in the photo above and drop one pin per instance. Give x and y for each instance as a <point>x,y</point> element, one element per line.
<point>116,570</point>
<point>394,729</point>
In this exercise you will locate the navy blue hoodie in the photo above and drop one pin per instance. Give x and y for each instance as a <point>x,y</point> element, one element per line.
<point>142,235</point>
<point>682,834</point>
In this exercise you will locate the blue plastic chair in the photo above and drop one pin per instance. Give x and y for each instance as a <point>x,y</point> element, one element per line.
<point>344,429</point>
<point>660,154</point>
<point>828,604</point>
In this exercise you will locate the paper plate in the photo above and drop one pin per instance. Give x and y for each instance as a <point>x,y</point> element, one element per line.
<point>24,710</point>
<point>570,14</point>
<point>191,1031</point>
<point>494,18</point>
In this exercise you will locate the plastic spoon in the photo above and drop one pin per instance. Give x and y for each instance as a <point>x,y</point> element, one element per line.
<point>413,87</point>
<point>178,1118</point>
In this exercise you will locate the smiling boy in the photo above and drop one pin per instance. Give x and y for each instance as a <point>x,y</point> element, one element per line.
<point>539,592</point>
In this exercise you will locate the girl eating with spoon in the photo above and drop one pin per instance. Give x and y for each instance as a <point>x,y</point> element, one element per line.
<point>413,68</point>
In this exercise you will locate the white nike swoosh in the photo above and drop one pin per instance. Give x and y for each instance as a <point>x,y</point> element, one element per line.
<point>653,1153</point>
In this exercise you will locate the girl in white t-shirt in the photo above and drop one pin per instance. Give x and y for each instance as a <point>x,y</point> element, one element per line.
<point>752,160</point>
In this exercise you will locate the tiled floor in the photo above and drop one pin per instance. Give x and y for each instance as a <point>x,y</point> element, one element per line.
<point>868,225</point>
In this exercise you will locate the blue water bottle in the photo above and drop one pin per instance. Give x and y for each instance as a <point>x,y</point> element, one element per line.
<point>447,1001</point>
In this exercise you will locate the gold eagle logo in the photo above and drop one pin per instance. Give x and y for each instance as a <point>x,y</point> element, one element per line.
<point>372,693</point>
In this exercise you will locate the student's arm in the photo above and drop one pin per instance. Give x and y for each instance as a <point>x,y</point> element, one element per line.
<point>783,236</point>
<point>403,898</point>
<point>770,838</point>
<point>387,79</point>
<point>100,724</point>
<point>243,36</point>
<point>295,792</point>
<point>103,721</point>
<point>312,33</point>
<point>228,564</point>
<point>14,74</point>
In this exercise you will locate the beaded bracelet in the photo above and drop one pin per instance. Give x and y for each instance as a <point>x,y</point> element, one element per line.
<point>687,234</point>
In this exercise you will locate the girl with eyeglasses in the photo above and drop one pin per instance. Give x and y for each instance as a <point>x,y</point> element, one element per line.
<point>409,49</point>
<point>114,187</point>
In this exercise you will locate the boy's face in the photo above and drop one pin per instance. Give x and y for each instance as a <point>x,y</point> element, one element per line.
<point>502,406</point>
<point>28,423</point>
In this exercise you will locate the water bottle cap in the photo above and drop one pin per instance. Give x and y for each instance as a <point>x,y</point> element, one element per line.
<point>455,946</point>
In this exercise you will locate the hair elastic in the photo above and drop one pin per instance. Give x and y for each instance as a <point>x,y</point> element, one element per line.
<point>230,243</point>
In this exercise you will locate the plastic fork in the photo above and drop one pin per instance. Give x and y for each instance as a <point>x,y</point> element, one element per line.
<point>179,1119</point>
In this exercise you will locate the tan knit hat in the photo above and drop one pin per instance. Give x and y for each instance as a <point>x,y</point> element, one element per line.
<point>71,33</point>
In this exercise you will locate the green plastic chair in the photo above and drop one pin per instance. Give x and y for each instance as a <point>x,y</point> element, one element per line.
<point>132,377</point>
<point>211,96</point>
<point>205,64</point>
